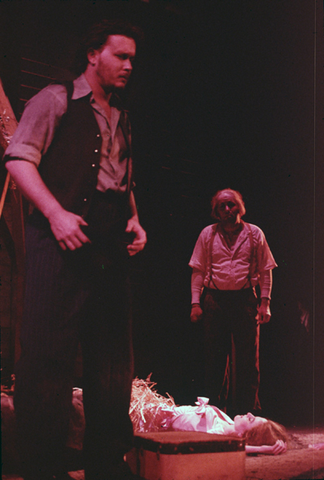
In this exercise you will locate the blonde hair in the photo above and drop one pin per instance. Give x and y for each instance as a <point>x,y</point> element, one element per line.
<point>266,433</point>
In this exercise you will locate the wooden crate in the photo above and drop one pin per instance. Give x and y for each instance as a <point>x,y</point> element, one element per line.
<point>187,456</point>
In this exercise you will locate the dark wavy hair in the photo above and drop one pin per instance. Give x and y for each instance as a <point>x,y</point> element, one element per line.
<point>97,36</point>
<point>266,433</point>
<point>215,202</point>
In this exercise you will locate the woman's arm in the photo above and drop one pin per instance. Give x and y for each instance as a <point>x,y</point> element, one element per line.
<point>279,447</point>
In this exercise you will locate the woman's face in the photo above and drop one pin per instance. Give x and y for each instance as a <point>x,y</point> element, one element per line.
<point>243,423</point>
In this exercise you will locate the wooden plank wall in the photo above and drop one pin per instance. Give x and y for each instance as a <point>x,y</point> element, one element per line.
<point>35,74</point>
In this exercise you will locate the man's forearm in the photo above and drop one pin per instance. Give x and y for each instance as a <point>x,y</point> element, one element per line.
<point>197,283</point>
<point>134,226</point>
<point>266,284</point>
<point>30,183</point>
<point>264,313</point>
<point>64,225</point>
<point>132,205</point>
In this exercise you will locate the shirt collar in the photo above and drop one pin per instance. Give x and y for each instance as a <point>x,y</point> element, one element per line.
<point>243,233</point>
<point>82,89</point>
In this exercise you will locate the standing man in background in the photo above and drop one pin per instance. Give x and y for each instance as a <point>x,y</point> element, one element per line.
<point>229,260</point>
<point>71,158</point>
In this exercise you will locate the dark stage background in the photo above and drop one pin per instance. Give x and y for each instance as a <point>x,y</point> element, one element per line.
<point>224,94</point>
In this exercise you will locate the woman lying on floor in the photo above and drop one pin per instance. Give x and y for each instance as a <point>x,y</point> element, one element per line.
<point>152,412</point>
<point>260,435</point>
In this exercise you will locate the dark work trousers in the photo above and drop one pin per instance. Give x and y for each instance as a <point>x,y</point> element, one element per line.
<point>229,320</point>
<point>71,297</point>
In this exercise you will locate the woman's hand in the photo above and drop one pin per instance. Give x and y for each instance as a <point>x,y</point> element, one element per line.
<point>279,447</point>
<point>316,446</point>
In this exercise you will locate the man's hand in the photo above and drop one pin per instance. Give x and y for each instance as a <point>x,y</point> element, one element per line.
<point>264,313</point>
<point>66,229</point>
<point>65,225</point>
<point>140,236</point>
<point>196,313</point>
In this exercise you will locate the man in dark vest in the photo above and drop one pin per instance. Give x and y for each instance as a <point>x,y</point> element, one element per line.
<point>71,158</point>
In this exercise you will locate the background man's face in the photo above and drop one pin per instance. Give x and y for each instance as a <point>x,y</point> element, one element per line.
<point>114,61</point>
<point>228,210</point>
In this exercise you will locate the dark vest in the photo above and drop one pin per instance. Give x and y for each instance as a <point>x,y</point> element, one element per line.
<point>70,166</point>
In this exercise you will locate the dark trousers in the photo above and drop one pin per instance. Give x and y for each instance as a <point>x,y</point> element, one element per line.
<point>73,297</point>
<point>230,326</point>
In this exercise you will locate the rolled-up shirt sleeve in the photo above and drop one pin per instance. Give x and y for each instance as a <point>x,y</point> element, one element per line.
<point>265,260</point>
<point>198,259</point>
<point>35,131</point>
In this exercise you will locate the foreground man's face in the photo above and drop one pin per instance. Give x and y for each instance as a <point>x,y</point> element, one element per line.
<point>114,62</point>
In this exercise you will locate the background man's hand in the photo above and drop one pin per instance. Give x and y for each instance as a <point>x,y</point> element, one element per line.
<point>196,313</point>
<point>264,313</point>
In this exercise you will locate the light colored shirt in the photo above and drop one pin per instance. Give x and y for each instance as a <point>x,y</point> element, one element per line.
<point>41,118</point>
<point>231,268</point>
<point>201,418</point>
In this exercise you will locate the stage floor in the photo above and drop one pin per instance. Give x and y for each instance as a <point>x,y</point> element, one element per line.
<point>299,462</point>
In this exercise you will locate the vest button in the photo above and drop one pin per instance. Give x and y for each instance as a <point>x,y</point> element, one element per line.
<point>85,199</point>
<point>98,135</point>
<point>96,150</point>
<point>93,165</point>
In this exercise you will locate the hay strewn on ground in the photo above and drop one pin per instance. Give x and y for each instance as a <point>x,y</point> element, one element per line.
<point>146,406</point>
